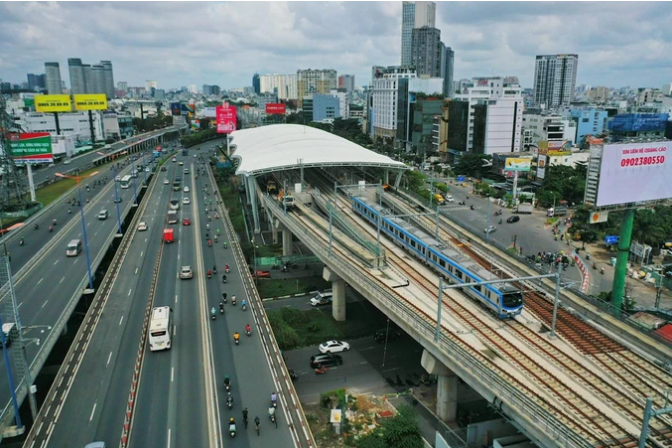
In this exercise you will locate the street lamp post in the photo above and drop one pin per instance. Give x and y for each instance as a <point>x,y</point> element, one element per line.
<point>116,192</point>
<point>81,210</point>
<point>134,174</point>
<point>144,167</point>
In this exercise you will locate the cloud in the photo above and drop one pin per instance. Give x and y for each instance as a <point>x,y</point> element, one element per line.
<point>179,44</point>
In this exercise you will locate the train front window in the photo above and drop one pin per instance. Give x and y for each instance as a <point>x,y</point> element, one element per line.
<point>512,299</point>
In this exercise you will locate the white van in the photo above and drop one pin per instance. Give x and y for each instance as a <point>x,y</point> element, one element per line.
<point>74,248</point>
<point>322,298</point>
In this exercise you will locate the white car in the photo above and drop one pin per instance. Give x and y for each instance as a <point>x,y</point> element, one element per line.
<point>490,229</point>
<point>186,201</point>
<point>334,347</point>
<point>117,179</point>
<point>166,182</point>
<point>186,272</point>
<point>142,226</point>
<point>181,163</point>
<point>185,189</point>
<point>66,162</point>
<point>449,198</point>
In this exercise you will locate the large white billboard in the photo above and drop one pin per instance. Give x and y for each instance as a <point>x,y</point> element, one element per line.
<point>634,172</point>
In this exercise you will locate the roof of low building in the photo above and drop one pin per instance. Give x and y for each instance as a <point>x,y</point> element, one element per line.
<point>288,146</point>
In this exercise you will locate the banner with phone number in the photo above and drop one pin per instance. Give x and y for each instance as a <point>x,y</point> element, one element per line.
<point>634,172</point>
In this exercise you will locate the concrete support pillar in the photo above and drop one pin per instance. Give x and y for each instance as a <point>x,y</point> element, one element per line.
<point>446,392</point>
<point>286,242</point>
<point>252,181</point>
<point>247,189</point>
<point>274,230</point>
<point>338,292</point>
<point>397,181</point>
<point>387,177</point>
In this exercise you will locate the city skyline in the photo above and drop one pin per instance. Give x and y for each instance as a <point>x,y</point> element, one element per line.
<point>488,40</point>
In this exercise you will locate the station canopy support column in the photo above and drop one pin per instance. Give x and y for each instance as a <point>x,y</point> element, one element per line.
<point>446,392</point>
<point>338,294</point>
<point>252,182</point>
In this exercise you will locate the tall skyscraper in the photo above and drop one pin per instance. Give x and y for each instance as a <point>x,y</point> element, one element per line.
<point>414,15</point>
<point>122,85</point>
<point>36,82</point>
<point>448,63</point>
<point>108,79</point>
<point>315,81</point>
<point>555,79</point>
<point>97,79</point>
<point>347,82</point>
<point>77,81</point>
<point>53,74</point>
<point>426,48</point>
<point>256,84</point>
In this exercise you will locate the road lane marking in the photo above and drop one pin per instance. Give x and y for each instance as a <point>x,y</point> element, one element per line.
<point>108,359</point>
<point>40,281</point>
<point>174,330</point>
<point>61,280</point>
<point>19,305</point>
<point>364,362</point>
<point>146,241</point>
<point>121,320</point>
<point>175,298</point>
<point>178,255</point>
<point>55,262</point>
<point>129,292</point>
<point>136,270</point>
<point>92,411</point>
<point>142,253</point>
<point>45,302</point>
<point>168,437</point>
<point>172,374</point>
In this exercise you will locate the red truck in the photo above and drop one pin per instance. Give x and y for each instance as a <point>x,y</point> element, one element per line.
<point>168,235</point>
<point>263,274</point>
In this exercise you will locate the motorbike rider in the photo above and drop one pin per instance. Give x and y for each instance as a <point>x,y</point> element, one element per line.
<point>229,400</point>
<point>243,303</point>
<point>248,329</point>
<point>271,412</point>
<point>22,242</point>
<point>245,415</point>
<point>213,313</point>
<point>236,336</point>
<point>274,398</point>
<point>37,226</point>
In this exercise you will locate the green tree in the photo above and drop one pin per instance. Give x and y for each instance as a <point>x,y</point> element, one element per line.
<point>400,431</point>
<point>648,228</point>
<point>472,165</point>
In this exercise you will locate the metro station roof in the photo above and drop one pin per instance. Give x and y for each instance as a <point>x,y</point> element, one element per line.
<point>288,146</point>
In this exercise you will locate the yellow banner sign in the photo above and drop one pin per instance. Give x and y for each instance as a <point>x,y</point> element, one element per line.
<point>53,103</point>
<point>91,101</point>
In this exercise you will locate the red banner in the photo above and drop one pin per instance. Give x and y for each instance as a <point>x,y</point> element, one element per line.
<point>226,119</point>
<point>275,109</point>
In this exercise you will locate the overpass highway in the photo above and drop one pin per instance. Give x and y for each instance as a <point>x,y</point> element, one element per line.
<point>45,286</point>
<point>180,397</point>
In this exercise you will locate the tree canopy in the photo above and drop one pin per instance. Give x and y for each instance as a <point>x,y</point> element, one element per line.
<point>472,165</point>
<point>400,431</point>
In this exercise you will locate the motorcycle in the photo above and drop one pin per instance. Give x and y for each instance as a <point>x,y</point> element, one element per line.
<point>209,243</point>
<point>237,341</point>
<point>226,269</point>
<point>223,278</point>
<point>321,370</point>
<point>285,268</point>
<point>22,242</point>
<point>221,309</point>
<point>233,300</point>
<point>51,229</point>
<point>471,207</point>
<point>209,273</point>
<point>602,271</point>
<point>232,430</point>
<point>272,417</point>
<point>244,308</point>
<point>36,226</point>
<point>229,403</point>
<point>500,220</point>
<point>226,245</point>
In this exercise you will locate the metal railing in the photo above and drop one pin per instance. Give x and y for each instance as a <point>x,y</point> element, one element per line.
<point>463,359</point>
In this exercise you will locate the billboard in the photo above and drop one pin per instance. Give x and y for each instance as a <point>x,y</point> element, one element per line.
<point>91,101</point>
<point>226,119</point>
<point>31,147</point>
<point>175,109</point>
<point>541,166</point>
<point>275,109</point>
<point>634,172</point>
<point>53,103</point>
<point>514,164</point>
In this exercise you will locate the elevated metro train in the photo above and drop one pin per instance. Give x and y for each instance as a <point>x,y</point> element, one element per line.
<point>505,300</point>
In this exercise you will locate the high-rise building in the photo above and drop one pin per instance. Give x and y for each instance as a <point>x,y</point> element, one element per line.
<point>384,93</point>
<point>325,107</point>
<point>494,117</point>
<point>426,50</point>
<point>53,76</point>
<point>88,77</point>
<point>108,79</point>
<point>97,78</point>
<point>315,81</point>
<point>555,80</point>
<point>149,84</point>
<point>347,82</point>
<point>36,82</point>
<point>256,83</point>
<point>448,64</point>
<point>122,85</point>
<point>77,81</point>
<point>414,15</point>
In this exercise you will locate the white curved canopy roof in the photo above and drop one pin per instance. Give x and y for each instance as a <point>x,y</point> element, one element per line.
<point>287,146</point>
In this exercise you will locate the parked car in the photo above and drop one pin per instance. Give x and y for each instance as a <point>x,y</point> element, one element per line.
<point>512,219</point>
<point>326,359</point>
<point>334,347</point>
<point>392,335</point>
<point>322,298</point>
<point>186,272</point>
<point>489,229</point>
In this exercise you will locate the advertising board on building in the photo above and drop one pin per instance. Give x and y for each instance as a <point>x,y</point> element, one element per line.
<point>541,166</point>
<point>53,103</point>
<point>91,101</point>
<point>634,172</point>
<point>226,119</point>
<point>275,109</point>
<point>31,147</point>
<point>516,164</point>
<point>175,109</point>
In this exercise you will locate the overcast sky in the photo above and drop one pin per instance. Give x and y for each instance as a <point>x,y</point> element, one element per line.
<point>178,44</point>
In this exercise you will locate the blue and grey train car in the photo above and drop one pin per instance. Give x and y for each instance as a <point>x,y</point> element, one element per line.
<point>503,299</point>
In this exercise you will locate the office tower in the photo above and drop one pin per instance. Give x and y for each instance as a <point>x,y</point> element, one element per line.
<point>347,82</point>
<point>555,79</point>
<point>150,83</point>
<point>315,81</point>
<point>122,85</point>
<point>256,83</point>
<point>36,82</point>
<point>384,94</point>
<point>414,15</point>
<point>108,79</point>
<point>426,49</point>
<point>448,63</point>
<point>97,79</point>
<point>77,80</point>
<point>53,77</point>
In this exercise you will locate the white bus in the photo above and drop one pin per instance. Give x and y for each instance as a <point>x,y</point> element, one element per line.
<point>161,328</point>
<point>125,181</point>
